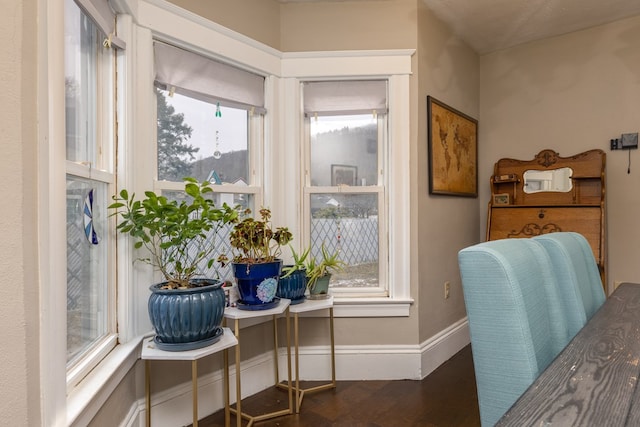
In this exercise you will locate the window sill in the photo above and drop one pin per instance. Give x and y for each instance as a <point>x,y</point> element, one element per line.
<point>86,399</point>
<point>371,307</point>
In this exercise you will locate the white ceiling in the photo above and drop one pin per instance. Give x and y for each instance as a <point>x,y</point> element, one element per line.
<point>490,25</point>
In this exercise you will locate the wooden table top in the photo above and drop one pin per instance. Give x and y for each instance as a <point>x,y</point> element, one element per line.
<point>593,381</point>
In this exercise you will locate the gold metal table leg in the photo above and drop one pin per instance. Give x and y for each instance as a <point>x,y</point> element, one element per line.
<point>296,346</point>
<point>288,317</point>
<point>238,391</point>
<point>299,391</point>
<point>227,416</point>
<point>194,385</point>
<point>275,348</point>
<point>333,348</point>
<point>237,411</point>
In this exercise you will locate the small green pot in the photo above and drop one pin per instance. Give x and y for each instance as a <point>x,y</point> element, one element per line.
<point>320,289</point>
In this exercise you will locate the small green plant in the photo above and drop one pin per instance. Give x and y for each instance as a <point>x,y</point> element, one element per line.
<point>329,263</point>
<point>176,234</point>
<point>299,261</point>
<point>255,241</point>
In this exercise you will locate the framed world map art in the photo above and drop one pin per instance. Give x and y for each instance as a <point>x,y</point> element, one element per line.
<point>453,151</point>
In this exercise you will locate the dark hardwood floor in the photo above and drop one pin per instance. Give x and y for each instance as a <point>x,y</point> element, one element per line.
<point>445,398</point>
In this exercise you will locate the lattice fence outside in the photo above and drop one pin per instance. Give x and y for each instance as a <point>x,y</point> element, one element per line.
<point>355,238</point>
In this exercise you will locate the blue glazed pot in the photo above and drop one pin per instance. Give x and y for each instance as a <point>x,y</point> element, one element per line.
<point>293,286</point>
<point>257,283</point>
<point>187,316</point>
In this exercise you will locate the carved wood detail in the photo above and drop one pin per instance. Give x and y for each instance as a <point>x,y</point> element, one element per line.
<point>532,229</point>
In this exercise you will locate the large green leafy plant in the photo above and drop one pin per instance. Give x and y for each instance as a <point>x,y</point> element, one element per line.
<point>176,234</point>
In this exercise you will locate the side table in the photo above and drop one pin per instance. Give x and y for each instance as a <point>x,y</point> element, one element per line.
<point>235,314</point>
<point>151,352</point>
<point>306,306</point>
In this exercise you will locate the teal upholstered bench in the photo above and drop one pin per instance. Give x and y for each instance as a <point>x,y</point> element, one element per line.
<point>525,300</point>
<point>516,319</point>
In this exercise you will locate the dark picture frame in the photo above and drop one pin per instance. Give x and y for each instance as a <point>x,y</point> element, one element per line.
<point>453,150</point>
<point>344,175</point>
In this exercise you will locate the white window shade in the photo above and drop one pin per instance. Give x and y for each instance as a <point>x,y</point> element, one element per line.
<point>345,97</point>
<point>104,17</point>
<point>202,78</point>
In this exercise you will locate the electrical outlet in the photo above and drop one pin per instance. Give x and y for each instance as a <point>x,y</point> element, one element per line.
<point>447,285</point>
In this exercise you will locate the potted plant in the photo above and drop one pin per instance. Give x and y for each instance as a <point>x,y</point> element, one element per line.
<point>186,309</point>
<point>293,280</point>
<point>256,247</point>
<point>319,273</point>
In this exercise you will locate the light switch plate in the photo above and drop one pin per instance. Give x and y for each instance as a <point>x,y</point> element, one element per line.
<point>629,141</point>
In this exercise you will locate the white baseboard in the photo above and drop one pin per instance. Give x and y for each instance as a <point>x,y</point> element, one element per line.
<point>440,348</point>
<point>172,407</point>
<point>386,362</point>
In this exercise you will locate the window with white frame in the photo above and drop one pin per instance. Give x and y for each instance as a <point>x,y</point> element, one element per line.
<point>89,124</point>
<point>345,181</point>
<point>210,119</point>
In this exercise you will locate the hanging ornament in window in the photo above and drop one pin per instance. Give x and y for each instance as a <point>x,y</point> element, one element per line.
<point>87,211</point>
<point>217,154</point>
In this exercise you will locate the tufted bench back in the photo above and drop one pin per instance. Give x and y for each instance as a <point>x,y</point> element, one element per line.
<point>516,318</point>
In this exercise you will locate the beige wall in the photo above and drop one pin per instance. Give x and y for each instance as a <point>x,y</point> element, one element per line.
<point>448,70</point>
<point>570,93</point>
<point>257,19</point>
<point>19,359</point>
<point>349,25</point>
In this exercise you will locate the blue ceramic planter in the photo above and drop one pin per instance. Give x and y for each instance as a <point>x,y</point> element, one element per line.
<point>293,286</point>
<point>187,318</point>
<point>257,283</point>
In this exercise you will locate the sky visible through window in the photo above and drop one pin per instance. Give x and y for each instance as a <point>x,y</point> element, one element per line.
<point>323,124</point>
<point>231,127</point>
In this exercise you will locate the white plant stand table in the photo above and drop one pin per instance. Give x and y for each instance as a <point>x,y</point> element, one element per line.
<point>151,352</point>
<point>236,314</point>
<point>307,306</point>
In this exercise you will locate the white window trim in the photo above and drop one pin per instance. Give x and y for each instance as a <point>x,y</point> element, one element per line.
<point>52,229</point>
<point>396,67</point>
